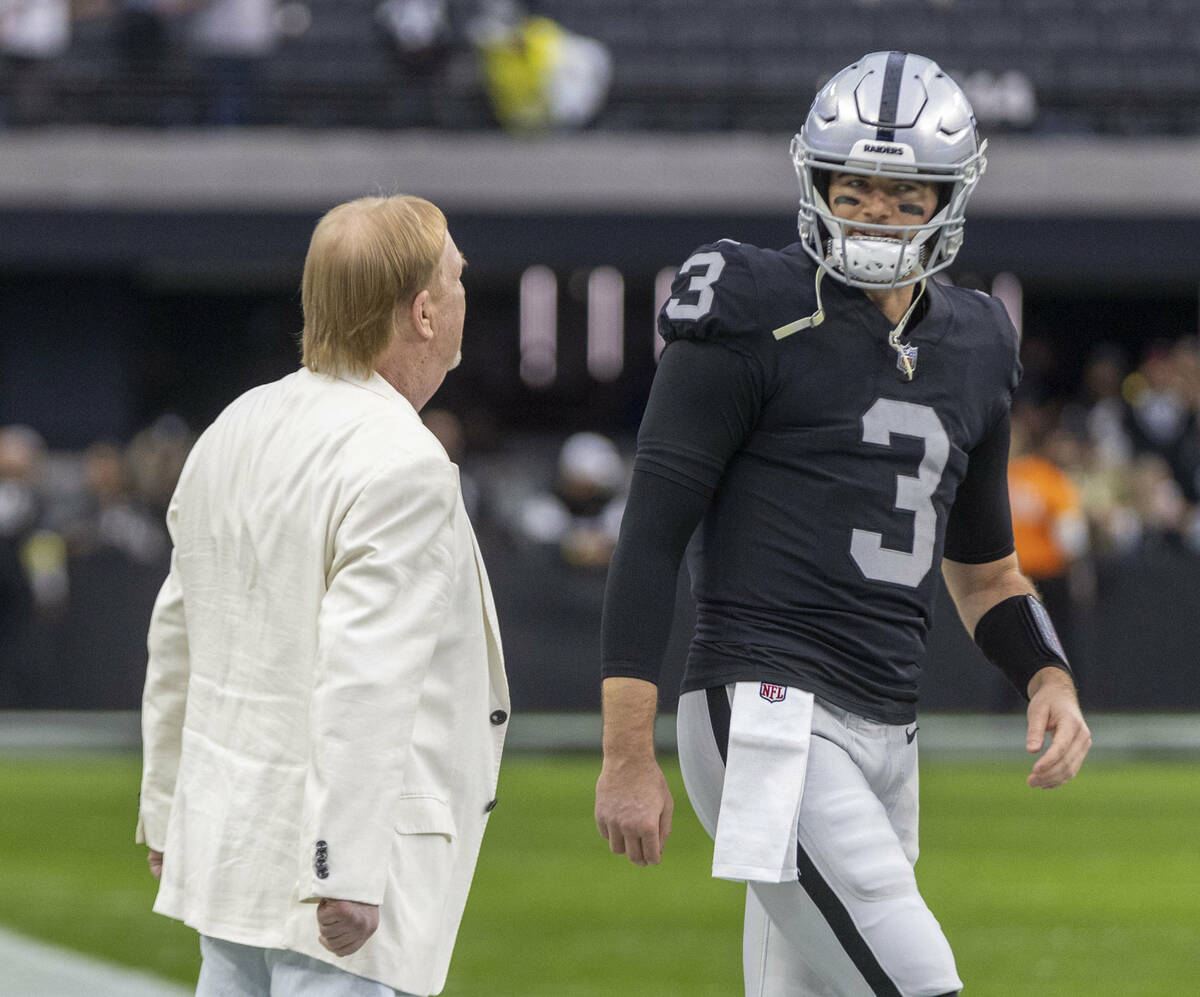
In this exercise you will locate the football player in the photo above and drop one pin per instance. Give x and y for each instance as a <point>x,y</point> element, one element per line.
<point>833,426</point>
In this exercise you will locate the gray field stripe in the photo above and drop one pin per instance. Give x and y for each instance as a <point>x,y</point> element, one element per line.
<point>70,730</point>
<point>35,969</point>
<point>941,733</point>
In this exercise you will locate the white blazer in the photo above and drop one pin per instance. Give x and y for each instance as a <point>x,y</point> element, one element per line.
<point>325,702</point>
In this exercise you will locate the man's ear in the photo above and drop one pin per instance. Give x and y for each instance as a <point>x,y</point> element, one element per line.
<point>421,316</point>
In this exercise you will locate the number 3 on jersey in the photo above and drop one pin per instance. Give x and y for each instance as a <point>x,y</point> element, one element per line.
<point>888,417</point>
<point>710,266</point>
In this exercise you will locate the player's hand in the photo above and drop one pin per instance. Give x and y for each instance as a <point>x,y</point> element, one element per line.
<point>345,925</point>
<point>633,809</point>
<point>155,860</point>
<point>1054,709</point>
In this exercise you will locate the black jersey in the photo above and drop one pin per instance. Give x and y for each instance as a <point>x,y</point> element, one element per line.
<point>830,477</point>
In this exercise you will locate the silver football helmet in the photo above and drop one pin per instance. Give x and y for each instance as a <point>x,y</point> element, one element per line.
<point>895,115</point>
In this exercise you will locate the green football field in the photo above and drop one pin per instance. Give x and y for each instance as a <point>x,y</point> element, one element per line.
<point>1091,889</point>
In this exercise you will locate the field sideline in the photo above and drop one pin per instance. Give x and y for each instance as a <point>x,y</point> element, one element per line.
<point>1093,889</point>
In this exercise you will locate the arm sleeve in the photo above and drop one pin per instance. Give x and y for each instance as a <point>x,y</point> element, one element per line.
<point>704,403</point>
<point>387,595</point>
<point>979,528</point>
<point>164,701</point>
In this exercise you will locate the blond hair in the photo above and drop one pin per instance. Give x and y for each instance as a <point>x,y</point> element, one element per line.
<point>366,258</point>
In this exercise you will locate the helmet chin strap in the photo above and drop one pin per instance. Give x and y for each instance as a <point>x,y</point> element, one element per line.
<point>809,322</point>
<point>906,356</point>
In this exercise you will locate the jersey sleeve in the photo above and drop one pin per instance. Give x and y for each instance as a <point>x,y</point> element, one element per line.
<point>713,297</point>
<point>979,528</point>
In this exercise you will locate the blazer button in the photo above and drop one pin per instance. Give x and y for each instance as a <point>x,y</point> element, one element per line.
<point>498,717</point>
<point>490,807</point>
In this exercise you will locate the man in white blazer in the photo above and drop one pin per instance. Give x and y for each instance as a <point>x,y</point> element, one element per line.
<point>325,702</point>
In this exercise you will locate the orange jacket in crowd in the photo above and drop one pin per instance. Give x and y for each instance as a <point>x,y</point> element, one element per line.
<point>1048,524</point>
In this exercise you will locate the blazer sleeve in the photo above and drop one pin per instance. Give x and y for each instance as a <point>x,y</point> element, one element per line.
<point>164,701</point>
<point>386,599</point>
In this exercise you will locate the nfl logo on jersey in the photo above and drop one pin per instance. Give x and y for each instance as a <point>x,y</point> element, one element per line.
<point>906,359</point>
<point>772,693</point>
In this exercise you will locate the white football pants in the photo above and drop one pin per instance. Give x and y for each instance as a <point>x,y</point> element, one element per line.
<point>854,924</point>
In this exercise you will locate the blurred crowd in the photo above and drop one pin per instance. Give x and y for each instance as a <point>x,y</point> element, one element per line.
<point>1105,471</point>
<point>1128,439</point>
<point>536,74</point>
<point>80,533</point>
<point>226,40</point>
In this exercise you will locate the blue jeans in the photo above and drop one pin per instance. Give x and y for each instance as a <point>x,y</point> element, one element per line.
<point>232,970</point>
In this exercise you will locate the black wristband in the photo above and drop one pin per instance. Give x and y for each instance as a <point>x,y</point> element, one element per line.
<point>1016,636</point>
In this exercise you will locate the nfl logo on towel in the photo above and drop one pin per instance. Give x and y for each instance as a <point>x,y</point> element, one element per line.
<point>772,693</point>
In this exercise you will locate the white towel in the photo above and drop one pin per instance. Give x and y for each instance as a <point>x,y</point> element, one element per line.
<point>769,730</point>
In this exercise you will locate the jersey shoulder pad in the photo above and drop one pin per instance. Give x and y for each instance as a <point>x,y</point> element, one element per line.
<point>713,297</point>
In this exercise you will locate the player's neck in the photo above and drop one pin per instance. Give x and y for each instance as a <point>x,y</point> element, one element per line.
<point>892,301</point>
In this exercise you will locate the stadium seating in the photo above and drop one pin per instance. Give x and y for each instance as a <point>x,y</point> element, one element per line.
<point>1123,67</point>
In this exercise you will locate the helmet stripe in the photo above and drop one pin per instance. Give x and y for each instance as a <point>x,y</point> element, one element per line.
<point>889,101</point>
